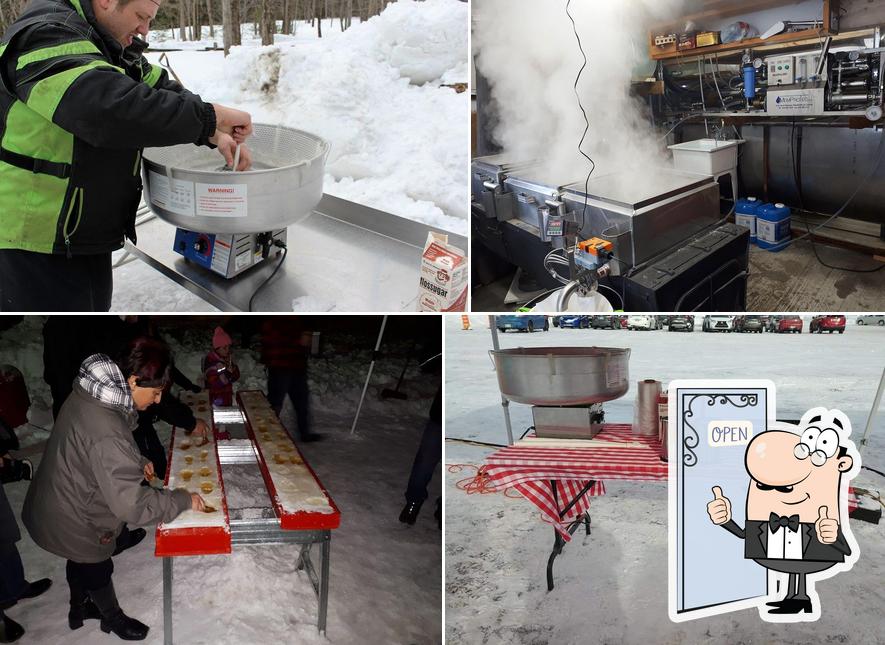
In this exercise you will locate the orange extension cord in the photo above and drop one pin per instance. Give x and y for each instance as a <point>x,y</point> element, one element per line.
<point>479,482</point>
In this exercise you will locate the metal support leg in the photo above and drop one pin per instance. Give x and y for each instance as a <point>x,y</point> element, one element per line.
<point>558,541</point>
<point>324,581</point>
<point>167,601</point>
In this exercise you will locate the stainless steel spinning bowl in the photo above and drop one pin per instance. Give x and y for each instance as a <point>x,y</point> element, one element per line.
<point>562,375</point>
<point>284,184</point>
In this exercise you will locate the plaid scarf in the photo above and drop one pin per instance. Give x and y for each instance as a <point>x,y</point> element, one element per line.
<point>101,377</point>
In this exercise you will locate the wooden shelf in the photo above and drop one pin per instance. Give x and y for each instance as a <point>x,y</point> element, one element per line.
<point>749,43</point>
<point>717,9</point>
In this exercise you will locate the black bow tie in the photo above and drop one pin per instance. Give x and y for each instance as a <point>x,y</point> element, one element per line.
<point>776,521</point>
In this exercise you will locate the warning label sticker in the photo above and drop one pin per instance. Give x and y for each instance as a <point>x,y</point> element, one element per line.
<point>176,196</point>
<point>221,200</point>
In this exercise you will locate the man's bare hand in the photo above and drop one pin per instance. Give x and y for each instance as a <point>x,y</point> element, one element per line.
<point>236,123</point>
<point>227,147</point>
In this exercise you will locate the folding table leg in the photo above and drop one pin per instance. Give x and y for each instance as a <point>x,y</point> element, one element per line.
<point>324,581</point>
<point>559,542</point>
<point>167,601</point>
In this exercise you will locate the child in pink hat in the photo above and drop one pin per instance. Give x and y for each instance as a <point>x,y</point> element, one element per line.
<point>220,370</point>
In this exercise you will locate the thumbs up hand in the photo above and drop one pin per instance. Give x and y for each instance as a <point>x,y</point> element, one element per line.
<point>827,528</point>
<point>719,509</point>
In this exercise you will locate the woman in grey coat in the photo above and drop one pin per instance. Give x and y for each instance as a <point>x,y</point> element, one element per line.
<point>89,482</point>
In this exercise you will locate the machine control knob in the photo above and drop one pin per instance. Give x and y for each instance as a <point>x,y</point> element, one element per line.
<point>201,245</point>
<point>873,113</point>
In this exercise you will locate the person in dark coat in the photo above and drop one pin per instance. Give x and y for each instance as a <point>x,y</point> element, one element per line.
<point>430,449</point>
<point>89,482</point>
<point>284,350</point>
<point>13,586</point>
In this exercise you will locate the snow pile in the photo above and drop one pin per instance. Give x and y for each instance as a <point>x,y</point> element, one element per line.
<point>399,140</point>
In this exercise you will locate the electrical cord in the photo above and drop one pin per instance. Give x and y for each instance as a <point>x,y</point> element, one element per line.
<point>279,244</point>
<point>583,111</point>
<point>878,472</point>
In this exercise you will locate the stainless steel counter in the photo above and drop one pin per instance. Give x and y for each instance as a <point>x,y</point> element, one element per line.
<point>345,255</point>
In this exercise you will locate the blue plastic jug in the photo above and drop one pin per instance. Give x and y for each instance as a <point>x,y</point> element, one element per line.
<point>773,227</point>
<point>745,211</point>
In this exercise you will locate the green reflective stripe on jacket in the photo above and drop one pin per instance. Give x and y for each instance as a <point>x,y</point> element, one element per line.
<point>154,75</point>
<point>78,8</point>
<point>35,199</point>
<point>28,133</point>
<point>46,94</point>
<point>67,49</point>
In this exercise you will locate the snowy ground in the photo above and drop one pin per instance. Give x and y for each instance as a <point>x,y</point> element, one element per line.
<point>611,586</point>
<point>385,577</point>
<point>377,92</point>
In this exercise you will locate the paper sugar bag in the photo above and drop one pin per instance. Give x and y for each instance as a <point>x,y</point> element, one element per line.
<point>443,280</point>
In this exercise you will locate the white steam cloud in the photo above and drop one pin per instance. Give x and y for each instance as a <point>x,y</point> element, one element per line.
<point>528,52</point>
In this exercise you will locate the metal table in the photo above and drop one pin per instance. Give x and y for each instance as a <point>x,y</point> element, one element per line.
<point>262,530</point>
<point>367,258</point>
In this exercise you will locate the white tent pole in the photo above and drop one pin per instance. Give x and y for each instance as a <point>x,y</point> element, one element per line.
<point>505,403</point>
<point>369,375</point>
<point>878,400</point>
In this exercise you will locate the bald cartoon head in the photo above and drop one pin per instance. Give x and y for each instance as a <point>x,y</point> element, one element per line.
<point>794,473</point>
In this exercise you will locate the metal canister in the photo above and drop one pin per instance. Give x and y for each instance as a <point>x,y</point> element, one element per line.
<point>663,422</point>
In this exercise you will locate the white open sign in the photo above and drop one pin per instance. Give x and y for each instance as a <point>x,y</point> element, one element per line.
<point>729,433</point>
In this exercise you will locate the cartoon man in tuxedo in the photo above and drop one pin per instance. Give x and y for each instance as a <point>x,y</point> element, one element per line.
<point>793,505</point>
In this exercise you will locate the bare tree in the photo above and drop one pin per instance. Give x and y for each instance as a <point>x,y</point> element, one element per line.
<point>182,23</point>
<point>266,22</point>
<point>227,25</point>
<point>211,21</point>
<point>236,21</point>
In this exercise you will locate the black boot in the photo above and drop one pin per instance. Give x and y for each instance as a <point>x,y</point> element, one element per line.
<point>82,608</point>
<point>128,539</point>
<point>112,617</point>
<point>438,513</point>
<point>34,589</point>
<point>410,512</point>
<point>10,631</point>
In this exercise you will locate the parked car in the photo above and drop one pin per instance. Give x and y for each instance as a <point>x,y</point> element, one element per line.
<point>830,323</point>
<point>681,323</point>
<point>771,324</point>
<point>524,322</point>
<point>605,322</point>
<point>871,320</point>
<point>749,324</point>
<point>718,323</point>
<point>622,320</point>
<point>789,324</point>
<point>574,322</point>
<point>642,322</point>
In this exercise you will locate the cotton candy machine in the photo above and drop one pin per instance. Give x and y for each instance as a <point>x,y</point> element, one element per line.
<point>230,221</point>
<point>566,386</point>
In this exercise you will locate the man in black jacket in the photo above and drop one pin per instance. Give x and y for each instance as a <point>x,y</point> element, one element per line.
<point>793,503</point>
<point>78,102</point>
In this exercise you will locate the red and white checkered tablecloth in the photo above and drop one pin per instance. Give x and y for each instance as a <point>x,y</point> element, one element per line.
<point>529,470</point>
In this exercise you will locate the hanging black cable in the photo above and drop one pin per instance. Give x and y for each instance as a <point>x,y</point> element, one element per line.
<point>583,111</point>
